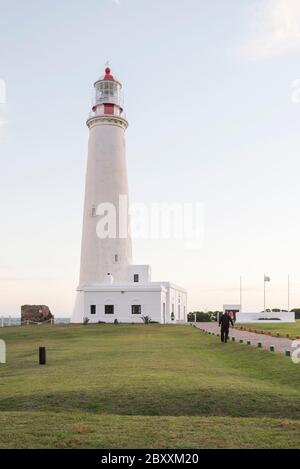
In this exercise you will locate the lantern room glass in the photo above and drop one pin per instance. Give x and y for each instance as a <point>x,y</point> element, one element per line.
<point>108,92</point>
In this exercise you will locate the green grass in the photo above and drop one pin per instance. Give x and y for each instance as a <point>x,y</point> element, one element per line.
<point>153,386</point>
<point>293,329</point>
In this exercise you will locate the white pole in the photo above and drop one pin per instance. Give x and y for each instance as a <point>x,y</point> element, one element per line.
<point>195,316</point>
<point>2,321</point>
<point>264,293</point>
<point>240,294</point>
<point>288,293</point>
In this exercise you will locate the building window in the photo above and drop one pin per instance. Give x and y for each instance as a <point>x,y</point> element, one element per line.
<point>173,307</point>
<point>93,309</point>
<point>109,309</point>
<point>136,309</point>
<point>116,258</point>
<point>136,278</point>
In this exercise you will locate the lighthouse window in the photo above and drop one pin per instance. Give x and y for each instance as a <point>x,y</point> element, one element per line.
<point>93,309</point>
<point>136,309</point>
<point>109,309</point>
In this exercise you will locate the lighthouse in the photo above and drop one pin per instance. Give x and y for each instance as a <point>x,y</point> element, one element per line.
<point>106,185</point>
<point>110,286</point>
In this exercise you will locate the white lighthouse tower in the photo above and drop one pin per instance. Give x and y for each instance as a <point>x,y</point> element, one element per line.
<point>106,183</point>
<point>110,286</point>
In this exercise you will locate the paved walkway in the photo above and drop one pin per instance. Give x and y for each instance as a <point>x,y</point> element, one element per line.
<point>280,345</point>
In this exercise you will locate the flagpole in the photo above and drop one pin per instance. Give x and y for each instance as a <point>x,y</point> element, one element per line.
<point>264,293</point>
<point>241,294</point>
<point>288,293</point>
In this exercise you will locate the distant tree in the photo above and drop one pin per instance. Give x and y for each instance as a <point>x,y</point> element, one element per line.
<point>200,316</point>
<point>190,317</point>
<point>214,315</point>
<point>297,312</point>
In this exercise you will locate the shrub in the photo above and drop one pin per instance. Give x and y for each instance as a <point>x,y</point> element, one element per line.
<point>86,321</point>
<point>297,312</point>
<point>202,317</point>
<point>116,321</point>
<point>146,319</point>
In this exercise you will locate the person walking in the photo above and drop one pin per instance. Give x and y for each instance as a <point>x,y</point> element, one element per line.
<point>225,321</point>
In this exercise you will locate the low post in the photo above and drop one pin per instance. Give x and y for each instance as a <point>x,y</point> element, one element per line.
<point>288,353</point>
<point>241,341</point>
<point>248,342</point>
<point>42,355</point>
<point>233,339</point>
<point>272,348</point>
<point>259,344</point>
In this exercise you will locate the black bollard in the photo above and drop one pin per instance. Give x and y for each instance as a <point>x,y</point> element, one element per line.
<point>42,355</point>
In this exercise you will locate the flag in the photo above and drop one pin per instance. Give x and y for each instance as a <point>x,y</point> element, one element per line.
<point>267,279</point>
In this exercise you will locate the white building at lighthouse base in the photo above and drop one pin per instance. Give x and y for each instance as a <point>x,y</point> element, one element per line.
<point>163,302</point>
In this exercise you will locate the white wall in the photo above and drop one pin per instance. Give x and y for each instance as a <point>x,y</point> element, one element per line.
<point>254,317</point>
<point>143,271</point>
<point>178,298</point>
<point>150,302</point>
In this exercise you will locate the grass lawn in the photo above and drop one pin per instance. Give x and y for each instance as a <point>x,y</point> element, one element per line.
<point>152,386</point>
<point>293,329</point>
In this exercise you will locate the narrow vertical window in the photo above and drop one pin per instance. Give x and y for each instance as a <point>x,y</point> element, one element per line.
<point>136,278</point>
<point>93,309</point>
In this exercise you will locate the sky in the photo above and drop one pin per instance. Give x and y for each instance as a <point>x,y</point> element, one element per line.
<point>212,95</point>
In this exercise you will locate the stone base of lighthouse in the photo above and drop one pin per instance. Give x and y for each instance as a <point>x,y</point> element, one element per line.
<point>164,302</point>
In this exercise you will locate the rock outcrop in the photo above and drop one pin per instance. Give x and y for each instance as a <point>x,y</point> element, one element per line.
<point>35,313</point>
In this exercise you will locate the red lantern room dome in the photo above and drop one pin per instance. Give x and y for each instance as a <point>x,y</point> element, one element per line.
<point>108,75</point>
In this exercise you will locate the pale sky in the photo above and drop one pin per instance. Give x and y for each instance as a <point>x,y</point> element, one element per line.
<point>212,99</point>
